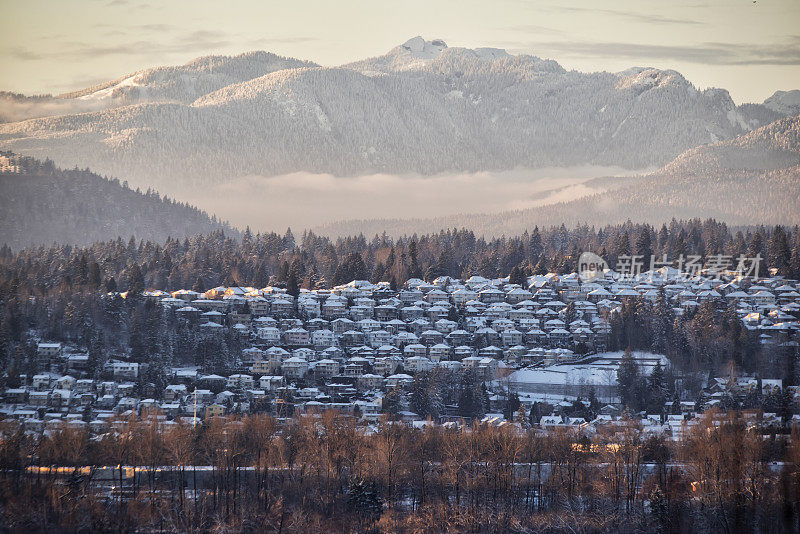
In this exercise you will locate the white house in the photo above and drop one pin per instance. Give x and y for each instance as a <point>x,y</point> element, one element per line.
<point>295,367</point>
<point>125,370</point>
<point>240,381</point>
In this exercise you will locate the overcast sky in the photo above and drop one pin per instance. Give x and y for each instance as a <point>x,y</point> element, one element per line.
<point>750,48</point>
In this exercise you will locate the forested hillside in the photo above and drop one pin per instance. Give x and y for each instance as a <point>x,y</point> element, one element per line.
<point>42,204</point>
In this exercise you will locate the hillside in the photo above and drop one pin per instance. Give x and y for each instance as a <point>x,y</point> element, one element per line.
<point>750,180</point>
<point>421,108</point>
<point>42,204</point>
<point>183,83</point>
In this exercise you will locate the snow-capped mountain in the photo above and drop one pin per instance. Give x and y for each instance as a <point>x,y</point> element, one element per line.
<point>423,107</point>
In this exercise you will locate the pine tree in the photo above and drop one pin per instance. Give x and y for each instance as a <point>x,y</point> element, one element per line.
<point>659,512</point>
<point>13,379</point>
<point>95,278</point>
<point>779,251</point>
<point>135,280</point>
<point>392,403</point>
<point>247,239</point>
<point>516,276</point>
<point>756,245</point>
<point>627,377</point>
<point>469,397</point>
<point>680,248</point>
<point>541,267</point>
<point>535,246</point>
<point>351,268</point>
<point>656,390</point>
<point>288,240</point>
<point>419,399</point>
<point>512,405</point>
<point>378,273</point>
<point>622,245</point>
<point>644,245</point>
<point>539,410</point>
<point>676,404</point>
<point>663,239</point>
<point>82,276</point>
<point>414,270</point>
<point>111,285</point>
<point>663,317</point>
<point>199,286</point>
<point>292,285</point>
<point>794,260</point>
<point>363,499</point>
<point>137,337</point>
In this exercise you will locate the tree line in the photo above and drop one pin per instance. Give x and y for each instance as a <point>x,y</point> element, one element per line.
<point>207,260</point>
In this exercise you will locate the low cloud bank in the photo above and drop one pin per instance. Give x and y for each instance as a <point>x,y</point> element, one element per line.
<point>304,200</point>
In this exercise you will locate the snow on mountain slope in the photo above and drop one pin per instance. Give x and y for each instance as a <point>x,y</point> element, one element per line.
<point>436,57</point>
<point>414,53</point>
<point>785,102</point>
<point>419,48</point>
<point>185,83</point>
<point>421,108</point>
<point>774,146</point>
<point>642,80</point>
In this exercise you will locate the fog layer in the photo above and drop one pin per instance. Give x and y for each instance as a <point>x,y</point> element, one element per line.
<point>304,200</point>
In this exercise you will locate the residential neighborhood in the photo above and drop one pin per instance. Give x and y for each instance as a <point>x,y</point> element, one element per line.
<point>538,352</point>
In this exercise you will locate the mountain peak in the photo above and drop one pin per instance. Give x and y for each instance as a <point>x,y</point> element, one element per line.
<point>422,49</point>
<point>419,48</point>
<point>784,102</point>
<point>643,78</point>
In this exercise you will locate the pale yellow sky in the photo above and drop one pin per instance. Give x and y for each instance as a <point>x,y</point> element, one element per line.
<point>750,48</point>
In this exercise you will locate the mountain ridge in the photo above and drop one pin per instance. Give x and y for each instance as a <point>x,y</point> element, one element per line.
<point>180,83</point>
<point>423,107</point>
